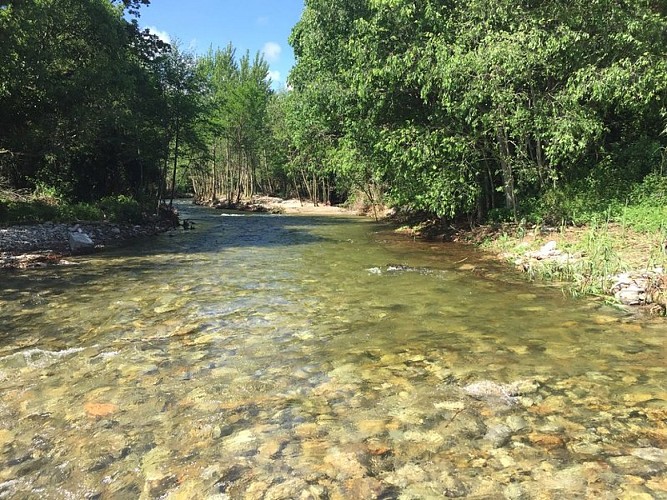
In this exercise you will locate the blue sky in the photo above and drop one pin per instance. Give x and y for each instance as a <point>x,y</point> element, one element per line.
<point>255,25</point>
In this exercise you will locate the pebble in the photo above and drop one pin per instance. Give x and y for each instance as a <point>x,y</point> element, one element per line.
<point>408,474</point>
<point>344,465</point>
<point>516,423</point>
<point>514,491</point>
<point>100,409</point>
<point>547,441</point>
<point>451,486</point>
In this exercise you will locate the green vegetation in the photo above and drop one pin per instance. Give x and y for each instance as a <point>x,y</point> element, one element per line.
<point>549,111</point>
<point>43,207</point>
<point>486,110</point>
<point>232,158</point>
<point>94,110</point>
<point>588,258</point>
<point>83,99</point>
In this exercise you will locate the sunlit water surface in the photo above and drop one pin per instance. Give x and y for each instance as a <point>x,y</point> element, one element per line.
<point>294,357</point>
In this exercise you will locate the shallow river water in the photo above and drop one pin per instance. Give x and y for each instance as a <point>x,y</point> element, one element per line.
<point>275,357</point>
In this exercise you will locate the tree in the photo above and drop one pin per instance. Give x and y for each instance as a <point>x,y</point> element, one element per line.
<point>80,98</point>
<point>461,108</point>
<point>236,132</point>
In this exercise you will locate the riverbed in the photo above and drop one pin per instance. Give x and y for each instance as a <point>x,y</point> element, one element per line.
<point>273,356</point>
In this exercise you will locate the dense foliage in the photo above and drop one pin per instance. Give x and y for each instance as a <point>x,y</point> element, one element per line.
<point>83,104</point>
<point>484,108</point>
<point>233,162</point>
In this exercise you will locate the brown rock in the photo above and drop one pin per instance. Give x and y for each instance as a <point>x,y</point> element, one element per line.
<point>364,487</point>
<point>371,427</point>
<point>658,485</point>
<point>379,449</point>
<point>342,465</point>
<point>94,409</point>
<point>547,441</point>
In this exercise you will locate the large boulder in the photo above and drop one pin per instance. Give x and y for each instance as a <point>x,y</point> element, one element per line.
<point>80,243</point>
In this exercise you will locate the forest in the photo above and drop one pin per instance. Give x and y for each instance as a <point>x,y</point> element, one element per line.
<point>475,111</point>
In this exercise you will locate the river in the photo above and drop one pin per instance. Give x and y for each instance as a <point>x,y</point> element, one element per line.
<point>270,357</point>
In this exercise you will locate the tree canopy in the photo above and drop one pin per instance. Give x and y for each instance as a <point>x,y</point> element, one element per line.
<point>485,105</point>
<point>81,98</point>
<point>478,109</point>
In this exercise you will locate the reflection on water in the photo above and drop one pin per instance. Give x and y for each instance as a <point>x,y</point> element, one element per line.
<point>283,357</point>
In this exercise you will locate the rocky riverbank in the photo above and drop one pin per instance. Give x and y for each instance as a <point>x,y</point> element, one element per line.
<point>274,205</point>
<point>39,245</point>
<point>627,267</point>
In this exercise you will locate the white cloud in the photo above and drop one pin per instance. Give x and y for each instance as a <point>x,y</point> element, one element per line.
<point>162,35</point>
<point>271,51</point>
<point>275,76</point>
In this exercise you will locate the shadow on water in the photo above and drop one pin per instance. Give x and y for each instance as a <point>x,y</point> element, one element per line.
<point>215,232</point>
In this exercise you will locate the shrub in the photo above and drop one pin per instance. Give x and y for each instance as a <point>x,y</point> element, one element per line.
<point>79,211</point>
<point>121,209</point>
<point>34,210</point>
<point>651,191</point>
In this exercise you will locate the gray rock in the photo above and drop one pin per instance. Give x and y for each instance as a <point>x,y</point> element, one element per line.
<point>453,487</point>
<point>498,435</point>
<point>492,392</point>
<point>651,454</point>
<point>635,466</point>
<point>514,491</point>
<point>516,423</point>
<point>631,295</point>
<point>80,243</point>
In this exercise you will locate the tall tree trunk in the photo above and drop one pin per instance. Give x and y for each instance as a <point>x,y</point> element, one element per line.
<point>173,176</point>
<point>506,169</point>
<point>163,178</point>
<point>306,183</point>
<point>215,173</point>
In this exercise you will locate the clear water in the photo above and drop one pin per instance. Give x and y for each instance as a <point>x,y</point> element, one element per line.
<point>300,357</point>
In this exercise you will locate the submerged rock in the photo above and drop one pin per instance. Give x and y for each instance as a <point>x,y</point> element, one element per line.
<point>94,409</point>
<point>651,454</point>
<point>343,465</point>
<point>492,392</point>
<point>498,435</point>
<point>636,466</point>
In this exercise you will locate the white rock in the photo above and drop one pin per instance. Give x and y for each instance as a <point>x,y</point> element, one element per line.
<point>80,243</point>
<point>548,247</point>
<point>631,295</point>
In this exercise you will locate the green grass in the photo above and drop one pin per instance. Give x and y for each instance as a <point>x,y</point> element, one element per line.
<point>35,210</point>
<point>591,268</point>
<point>644,218</point>
<point>641,206</point>
<point>591,274</point>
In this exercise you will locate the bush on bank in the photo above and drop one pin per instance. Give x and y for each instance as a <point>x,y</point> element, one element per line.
<point>36,209</point>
